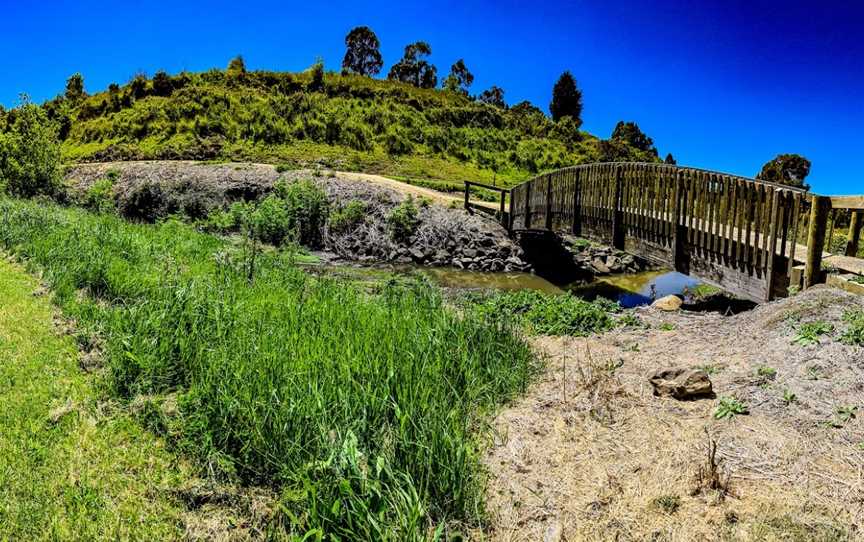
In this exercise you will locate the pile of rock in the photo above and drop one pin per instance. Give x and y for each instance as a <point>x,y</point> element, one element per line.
<point>602,260</point>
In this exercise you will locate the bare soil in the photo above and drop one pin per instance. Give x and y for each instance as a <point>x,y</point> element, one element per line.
<point>591,454</point>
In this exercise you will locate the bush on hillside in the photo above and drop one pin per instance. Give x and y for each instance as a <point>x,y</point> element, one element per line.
<point>348,217</point>
<point>402,220</point>
<point>30,153</point>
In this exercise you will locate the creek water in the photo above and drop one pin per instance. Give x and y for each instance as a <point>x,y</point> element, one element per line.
<point>630,290</point>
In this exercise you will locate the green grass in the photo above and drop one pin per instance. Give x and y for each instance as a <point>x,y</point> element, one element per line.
<point>72,468</point>
<point>549,314</point>
<point>361,410</point>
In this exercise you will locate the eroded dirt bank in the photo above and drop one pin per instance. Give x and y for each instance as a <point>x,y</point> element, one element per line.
<point>591,454</point>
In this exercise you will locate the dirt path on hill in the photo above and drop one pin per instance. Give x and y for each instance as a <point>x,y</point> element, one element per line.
<point>590,454</point>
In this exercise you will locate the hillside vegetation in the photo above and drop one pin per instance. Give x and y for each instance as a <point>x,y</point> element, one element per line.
<point>347,122</point>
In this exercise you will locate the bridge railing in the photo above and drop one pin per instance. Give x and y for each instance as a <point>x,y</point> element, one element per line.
<point>737,232</point>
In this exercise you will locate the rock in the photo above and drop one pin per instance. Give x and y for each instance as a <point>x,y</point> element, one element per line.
<point>600,266</point>
<point>681,383</point>
<point>513,260</point>
<point>614,264</point>
<point>670,303</point>
<point>469,253</point>
<point>417,254</point>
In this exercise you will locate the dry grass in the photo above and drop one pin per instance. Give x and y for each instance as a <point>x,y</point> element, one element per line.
<point>561,472</point>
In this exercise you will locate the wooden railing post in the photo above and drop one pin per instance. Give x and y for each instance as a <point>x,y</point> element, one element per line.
<point>549,202</point>
<point>855,223</point>
<point>501,216</point>
<point>467,190</point>
<point>510,214</point>
<point>617,212</point>
<point>528,204</point>
<point>820,207</point>
<point>679,232</point>
<point>577,210</point>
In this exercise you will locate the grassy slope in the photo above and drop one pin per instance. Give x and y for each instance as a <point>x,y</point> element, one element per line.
<point>70,468</point>
<point>353,123</point>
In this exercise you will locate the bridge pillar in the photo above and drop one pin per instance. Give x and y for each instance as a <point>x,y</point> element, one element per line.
<point>679,232</point>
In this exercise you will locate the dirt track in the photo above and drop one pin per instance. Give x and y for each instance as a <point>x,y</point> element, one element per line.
<point>590,454</point>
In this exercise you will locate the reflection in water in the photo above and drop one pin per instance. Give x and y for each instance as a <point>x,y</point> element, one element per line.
<point>636,289</point>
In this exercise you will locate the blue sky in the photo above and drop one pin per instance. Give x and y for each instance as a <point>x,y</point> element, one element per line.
<point>723,85</point>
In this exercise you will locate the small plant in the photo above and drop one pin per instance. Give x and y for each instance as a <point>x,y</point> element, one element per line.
<point>811,332</point>
<point>814,373</point>
<point>668,504</point>
<point>766,372</point>
<point>793,290</point>
<point>843,415</point>
<point>402,220</point>
<point>729,407</point>
<point>711,369</point>
<point>710,475</point>
<point>629,319</point>
<point>789,397</point>
<point>100,196</point>
<point>854,333</point>
<point>857,279</point>
<point>667,326</point>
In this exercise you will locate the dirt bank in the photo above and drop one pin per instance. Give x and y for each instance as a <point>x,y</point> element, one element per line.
<point>590,454</point>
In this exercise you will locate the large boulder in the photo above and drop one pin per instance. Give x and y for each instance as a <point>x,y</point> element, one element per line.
<point>670,303</point>
<point>681,383</point>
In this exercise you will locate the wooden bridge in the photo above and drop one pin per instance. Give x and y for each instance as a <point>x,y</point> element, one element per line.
<point>736,233</point>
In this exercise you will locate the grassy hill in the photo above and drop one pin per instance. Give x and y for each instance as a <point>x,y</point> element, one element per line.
<point>340,121</point>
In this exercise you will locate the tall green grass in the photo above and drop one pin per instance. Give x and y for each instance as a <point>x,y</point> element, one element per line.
<point>363,409</point>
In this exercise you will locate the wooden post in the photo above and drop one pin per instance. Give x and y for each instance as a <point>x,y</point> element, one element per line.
<point>771,252</point>
<point>528,204</point>
<point>549,202</point>
<point>855,223</point>
<point>820,207</point>
<point>679,232</point>
<point>510,216</point>
<point>577,211</point>
<point>467,186</point>
<point>502,218</point>
<point>617,213</point>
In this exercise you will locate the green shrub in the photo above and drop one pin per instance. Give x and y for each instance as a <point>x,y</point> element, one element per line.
<point>348,217</point>
<point>811,333</point>
<point>271,222</point>
<point>100,196</point>
<point>729,407</point>
<point>30,154</point>
<point>402,220</point>
<point>145,202</point>
<point>307,210</point>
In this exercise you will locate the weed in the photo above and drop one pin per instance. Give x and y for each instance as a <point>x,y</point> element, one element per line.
<point>854,333</point>
<point>709,475</point>
<point>814,373</point>
<point>347,217</point>
<point>711,369</point>
<point>766,372</point>
<point>668,504</point>
<point>729,407</point>
<point>842,415</point>
<point>628,319</point>
<point>811,332</point>
<point>789,397</point>
<point>667,326</point>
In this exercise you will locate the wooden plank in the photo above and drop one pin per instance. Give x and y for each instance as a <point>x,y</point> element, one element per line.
<point>549,193</point>
<point>796,215</point>
<point>848,202</point>
<point>527,218</point>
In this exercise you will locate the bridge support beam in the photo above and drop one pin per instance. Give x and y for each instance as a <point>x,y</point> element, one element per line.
<point>854,238</point>
<point>819,210</point>
<point>618,212</point>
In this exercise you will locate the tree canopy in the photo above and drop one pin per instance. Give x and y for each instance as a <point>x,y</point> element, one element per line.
<point>237,66</point>
<point>670,159</point>
<point>788,169</point>
<point>460,79</point>
<point>493,96</point>
<point>630,133</point>
<point>413,68</point>
<point>566,99</point>
<point>75,87</point>
<point>30,153</point>
<point>362,55</point>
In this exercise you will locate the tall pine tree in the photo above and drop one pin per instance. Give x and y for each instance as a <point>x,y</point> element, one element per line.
<point>566,99</point>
